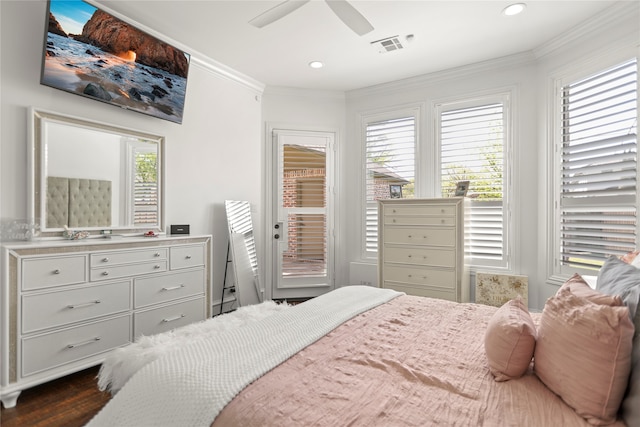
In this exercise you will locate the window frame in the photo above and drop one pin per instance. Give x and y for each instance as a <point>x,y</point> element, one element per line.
<point>367,118</point>
<point>506,98</point>
<point>558,272</point>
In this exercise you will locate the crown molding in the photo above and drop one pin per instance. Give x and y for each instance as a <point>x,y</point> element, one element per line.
<point>442,76</point>
<point>608,18</point>
<point>221,70</point>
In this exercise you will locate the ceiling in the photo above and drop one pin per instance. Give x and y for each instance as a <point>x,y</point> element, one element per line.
<point>446,34</point>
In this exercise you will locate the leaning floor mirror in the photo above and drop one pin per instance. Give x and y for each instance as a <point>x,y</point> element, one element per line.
<point>242,248</point>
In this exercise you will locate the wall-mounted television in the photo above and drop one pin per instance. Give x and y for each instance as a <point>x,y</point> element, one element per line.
<point>90,52</point>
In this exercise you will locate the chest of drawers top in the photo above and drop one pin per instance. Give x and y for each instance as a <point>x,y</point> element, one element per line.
<point>52,264</point>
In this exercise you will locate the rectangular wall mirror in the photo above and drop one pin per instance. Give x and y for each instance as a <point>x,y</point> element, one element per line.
<point>93,176</point>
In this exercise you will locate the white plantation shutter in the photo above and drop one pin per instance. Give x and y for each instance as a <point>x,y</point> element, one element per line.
<point>472,146</point>
<point>145,201</point>
<point>304,201</point>
<point>390,151</point>
<point>598,158</point>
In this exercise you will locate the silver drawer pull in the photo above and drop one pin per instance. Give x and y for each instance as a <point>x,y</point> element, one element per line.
<point>409,255</point>
<point>105,259</point>
<point>173,288</point>
<point>188,257</point>
<point>84,304</point>
<point>394,220</point>
<point>105,273</point>
<point>80,344</point>
<point>56,271</point>
<point>409,236</point>
<point>410,276</point>
<point>156,266</point>
<point>157,254</point>
<point>173,318</point>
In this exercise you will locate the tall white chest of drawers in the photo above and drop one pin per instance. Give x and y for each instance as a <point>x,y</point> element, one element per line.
<point>66,304</point>
<point>421,247</point>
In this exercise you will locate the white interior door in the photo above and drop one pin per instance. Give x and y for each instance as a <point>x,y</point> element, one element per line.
<point>302,218</point>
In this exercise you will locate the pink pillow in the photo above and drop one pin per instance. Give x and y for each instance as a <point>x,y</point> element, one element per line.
<point>510,340</point>
<point>580,288</point>
<point>583,354</point>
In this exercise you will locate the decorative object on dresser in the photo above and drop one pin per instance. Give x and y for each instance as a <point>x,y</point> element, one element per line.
<point>66,304</point>
<point>497,289</point>
<point>421,247</point>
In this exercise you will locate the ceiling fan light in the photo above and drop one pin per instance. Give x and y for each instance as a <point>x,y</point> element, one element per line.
<point>316,64</point>
<point>514,9</point>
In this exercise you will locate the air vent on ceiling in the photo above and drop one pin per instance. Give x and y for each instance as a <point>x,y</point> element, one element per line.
<point>388,45</point>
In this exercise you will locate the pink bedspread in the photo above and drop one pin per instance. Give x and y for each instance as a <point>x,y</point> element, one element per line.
<point>410,362</point>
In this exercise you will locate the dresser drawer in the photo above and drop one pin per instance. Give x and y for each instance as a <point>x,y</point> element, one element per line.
<point>114,272</point>
<point>420,236</point>
<point>168,317</point>
<point>447,221</point>
<point>105,259</point>
<point>170,286</point>
<point>58,348</point>
<point>420,210</point>
<point>52,309</point>
<point>187,256</point>
<point>54,271</point>
<point>421,256</point>
<point>444,279</point>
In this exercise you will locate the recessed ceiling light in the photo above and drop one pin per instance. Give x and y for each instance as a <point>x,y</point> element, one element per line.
<point>514,9</point>
<point>316,64</point>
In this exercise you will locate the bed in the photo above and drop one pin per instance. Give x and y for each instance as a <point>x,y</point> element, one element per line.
<point>361,356</point>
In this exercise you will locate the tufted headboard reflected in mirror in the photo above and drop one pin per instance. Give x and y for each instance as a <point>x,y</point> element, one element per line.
<point>93,176</point>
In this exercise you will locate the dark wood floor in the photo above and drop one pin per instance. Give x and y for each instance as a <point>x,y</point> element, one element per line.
<point>70,401</point>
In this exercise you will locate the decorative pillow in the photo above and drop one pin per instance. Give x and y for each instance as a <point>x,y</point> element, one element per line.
<point>632,258</point>
<point>579,287</point>
<point>616,277</point>
<point>510,340</point>
<point>583,354</point>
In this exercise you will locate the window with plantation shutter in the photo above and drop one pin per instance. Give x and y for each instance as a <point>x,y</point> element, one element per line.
<point>597,156</point>
<point>390,153</point>
<point>472,148</point>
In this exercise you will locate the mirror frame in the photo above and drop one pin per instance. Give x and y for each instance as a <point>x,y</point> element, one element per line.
<point>36,190</point>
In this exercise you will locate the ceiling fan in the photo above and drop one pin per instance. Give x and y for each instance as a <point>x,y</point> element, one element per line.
<point>347,14</point>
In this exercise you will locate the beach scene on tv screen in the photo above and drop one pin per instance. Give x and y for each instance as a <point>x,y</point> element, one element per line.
<point>94,54</point>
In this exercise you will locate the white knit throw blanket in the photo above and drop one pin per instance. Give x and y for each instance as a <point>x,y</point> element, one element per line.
<point>190,387</point>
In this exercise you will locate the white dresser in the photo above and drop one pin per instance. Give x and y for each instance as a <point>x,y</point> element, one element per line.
<point>421,247</point>
<point>66,304</point>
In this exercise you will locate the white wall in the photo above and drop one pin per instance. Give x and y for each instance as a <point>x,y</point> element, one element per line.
<point>612,38</point>
<point>214,155</point>
<point>218,151</point>
<point>613,33</point>
<point>516,74</point>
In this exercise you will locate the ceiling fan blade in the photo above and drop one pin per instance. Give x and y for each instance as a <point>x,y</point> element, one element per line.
<point>350,16</point>
<point>277,12</point>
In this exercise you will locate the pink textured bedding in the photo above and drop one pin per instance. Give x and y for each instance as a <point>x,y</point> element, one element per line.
<point>410,362</point>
